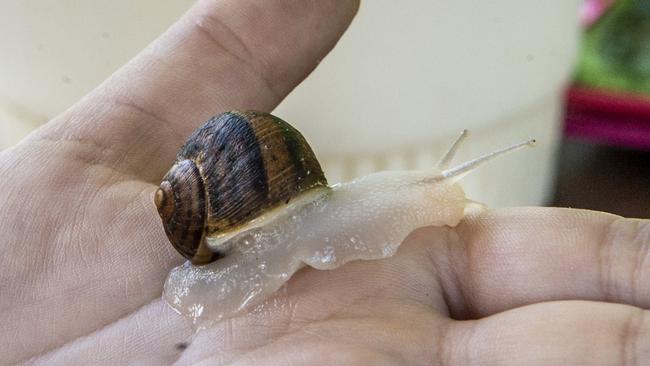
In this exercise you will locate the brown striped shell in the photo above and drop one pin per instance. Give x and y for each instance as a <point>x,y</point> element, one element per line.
<point>231,170</point>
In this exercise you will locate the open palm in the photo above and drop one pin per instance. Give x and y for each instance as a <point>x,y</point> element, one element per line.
<point>84,255</point>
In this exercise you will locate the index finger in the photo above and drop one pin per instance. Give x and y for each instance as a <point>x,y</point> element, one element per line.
<point>221,55</point>
<point>514,257</point>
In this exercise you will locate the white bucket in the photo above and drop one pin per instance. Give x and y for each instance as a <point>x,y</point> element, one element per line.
<point>54,52</point>
<point>409,75</point>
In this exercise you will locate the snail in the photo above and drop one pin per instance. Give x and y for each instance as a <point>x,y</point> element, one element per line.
<point>247,203</point>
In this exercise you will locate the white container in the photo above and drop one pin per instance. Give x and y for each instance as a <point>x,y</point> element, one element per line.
<point>404,80</point>
<point>409,75</point>
<point>56,51</point>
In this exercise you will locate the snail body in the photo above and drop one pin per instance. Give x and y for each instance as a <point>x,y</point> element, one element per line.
<point>248,259</point>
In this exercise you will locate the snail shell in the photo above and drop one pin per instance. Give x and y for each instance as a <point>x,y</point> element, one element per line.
<point>234,168</point>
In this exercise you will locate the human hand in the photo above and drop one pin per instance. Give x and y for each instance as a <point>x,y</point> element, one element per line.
<point>84,255</point>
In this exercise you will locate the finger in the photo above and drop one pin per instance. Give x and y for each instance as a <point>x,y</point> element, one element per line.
<point>554,333</point>
<point>221,55</point>
<point>509,258</point>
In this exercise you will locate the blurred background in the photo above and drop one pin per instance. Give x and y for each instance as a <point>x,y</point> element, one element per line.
<point>401,84</point>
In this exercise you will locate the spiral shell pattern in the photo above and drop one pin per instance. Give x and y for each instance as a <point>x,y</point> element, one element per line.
<point>230,171</point>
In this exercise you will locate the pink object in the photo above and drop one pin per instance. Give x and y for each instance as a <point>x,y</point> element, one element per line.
<point>613,118</point>
<point>591,10</point>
